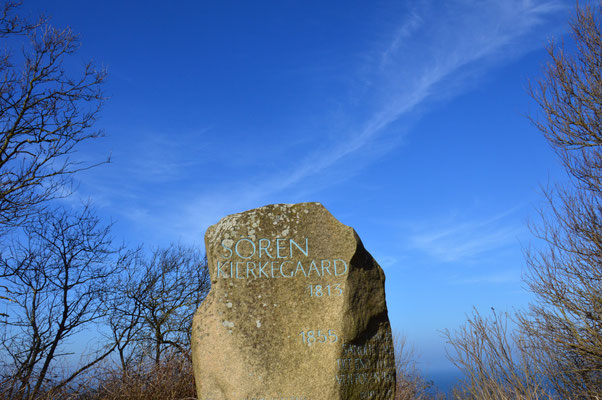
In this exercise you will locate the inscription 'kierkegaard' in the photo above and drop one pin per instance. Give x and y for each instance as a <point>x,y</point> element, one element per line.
<point>271,259</point>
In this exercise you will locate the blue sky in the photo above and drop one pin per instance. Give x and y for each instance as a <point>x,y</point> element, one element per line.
<point>405,119</point>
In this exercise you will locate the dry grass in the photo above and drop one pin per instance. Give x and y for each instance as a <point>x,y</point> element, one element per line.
<point>170,380</point>
<point>411,383</point>
<point>173,380</point>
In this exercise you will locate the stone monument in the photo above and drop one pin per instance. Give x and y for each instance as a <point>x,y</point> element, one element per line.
<point>296,311</point>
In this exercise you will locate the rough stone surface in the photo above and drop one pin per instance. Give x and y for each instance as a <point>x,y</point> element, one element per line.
<point>296,311</point>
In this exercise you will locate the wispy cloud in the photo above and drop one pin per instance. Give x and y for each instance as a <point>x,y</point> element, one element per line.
<point>163,157</point>
<point>386,261</point>
<point>435,52</point>
<point>407,28</point>
<point>461,239</point>
<point>509,276</point>
<point>423,61</point>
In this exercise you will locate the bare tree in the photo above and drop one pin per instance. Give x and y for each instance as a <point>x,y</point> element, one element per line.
<point>154,317</point>
<point>411,383</point>
<point>124,316</point>
<point>58,276</point>
<point>556,351</point>
<point>564,325</point>
<point>496,360</point>
<point>45,112</point>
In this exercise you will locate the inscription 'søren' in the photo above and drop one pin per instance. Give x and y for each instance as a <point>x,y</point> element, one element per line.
<point>246,248</point>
